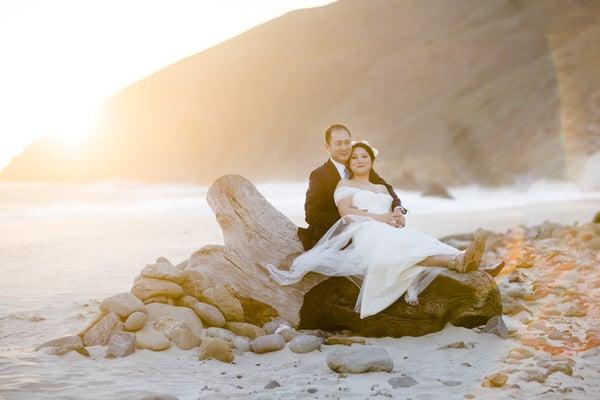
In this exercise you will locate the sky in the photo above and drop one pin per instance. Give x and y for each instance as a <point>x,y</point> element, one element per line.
<point>60,58</point>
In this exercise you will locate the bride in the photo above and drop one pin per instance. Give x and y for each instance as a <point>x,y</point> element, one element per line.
<point>370,241</point>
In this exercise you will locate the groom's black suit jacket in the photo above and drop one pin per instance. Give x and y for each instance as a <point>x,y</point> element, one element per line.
<point>319,207</point>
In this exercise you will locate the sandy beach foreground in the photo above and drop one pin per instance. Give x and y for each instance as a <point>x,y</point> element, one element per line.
<point>55,271</point>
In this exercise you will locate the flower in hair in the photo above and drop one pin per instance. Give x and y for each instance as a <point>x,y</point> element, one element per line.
<point>375,151</point>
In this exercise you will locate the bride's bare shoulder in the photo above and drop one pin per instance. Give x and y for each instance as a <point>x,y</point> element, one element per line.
<point>381,188</point>
<point>344,183</point>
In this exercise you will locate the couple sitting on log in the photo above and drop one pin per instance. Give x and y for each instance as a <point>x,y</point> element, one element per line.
<point>356,228</point>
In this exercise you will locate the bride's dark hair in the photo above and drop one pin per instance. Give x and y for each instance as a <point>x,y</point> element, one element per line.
<point>367,148</point>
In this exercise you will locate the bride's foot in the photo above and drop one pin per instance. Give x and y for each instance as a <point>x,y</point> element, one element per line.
<point>471,258</point>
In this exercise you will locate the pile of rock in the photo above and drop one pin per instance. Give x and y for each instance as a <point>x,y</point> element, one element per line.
<point>159,312</point>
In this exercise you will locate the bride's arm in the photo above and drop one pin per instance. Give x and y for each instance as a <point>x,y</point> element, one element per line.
<point>345,208</point>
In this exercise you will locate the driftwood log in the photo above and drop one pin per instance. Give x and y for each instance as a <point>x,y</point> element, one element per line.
<point>256,234</point>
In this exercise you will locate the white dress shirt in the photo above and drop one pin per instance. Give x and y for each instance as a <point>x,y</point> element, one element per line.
<point>341,168</point>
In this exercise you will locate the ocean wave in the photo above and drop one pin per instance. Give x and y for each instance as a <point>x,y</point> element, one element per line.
<point>28,200</point>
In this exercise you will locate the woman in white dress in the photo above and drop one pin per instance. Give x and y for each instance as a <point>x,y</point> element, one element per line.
<point>371,241</point>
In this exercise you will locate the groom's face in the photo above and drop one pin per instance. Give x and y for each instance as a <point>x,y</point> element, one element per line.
<point>339,146</point>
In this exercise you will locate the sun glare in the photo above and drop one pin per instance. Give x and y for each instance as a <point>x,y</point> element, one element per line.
<point>74,128</point>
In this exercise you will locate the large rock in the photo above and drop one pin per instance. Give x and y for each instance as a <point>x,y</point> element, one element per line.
<point>245,329</point>
<point>209,314</point>
<point>100,333</point>
<point>268,343</point>
<point>61,341</point>
<point>177,331</point>
<point>122,304</point>
<point>224,300</point>
<point>215,348</point>
<point>222,333</point>
<point>163,270</point>
<point>121,344</point>
<point>305,344</point>
<point>62,350</point>
<point>184,338</point>
<point>136,321</point>
<point>149,287</point>
<point>150,339</point>
<point>359,359</point>
<point>156,311</point>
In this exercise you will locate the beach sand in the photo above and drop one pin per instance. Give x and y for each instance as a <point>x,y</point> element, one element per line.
<point>55,271</point>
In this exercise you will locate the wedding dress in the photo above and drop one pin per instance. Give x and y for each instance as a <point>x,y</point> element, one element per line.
<point>386,256</point>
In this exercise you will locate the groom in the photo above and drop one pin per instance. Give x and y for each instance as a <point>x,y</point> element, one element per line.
<point>320,209</point>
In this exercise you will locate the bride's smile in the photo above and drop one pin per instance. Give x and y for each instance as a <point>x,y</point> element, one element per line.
<point>360,162</point>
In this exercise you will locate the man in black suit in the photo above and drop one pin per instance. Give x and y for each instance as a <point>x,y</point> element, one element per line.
<point>320,209</point>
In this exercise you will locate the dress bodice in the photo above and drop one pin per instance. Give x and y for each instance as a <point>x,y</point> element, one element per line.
<point>376,203</point>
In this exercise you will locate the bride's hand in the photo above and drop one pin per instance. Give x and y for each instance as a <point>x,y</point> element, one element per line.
<point>388,218</point>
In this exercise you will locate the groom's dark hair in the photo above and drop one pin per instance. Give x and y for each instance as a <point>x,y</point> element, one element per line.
<point>332,128</point>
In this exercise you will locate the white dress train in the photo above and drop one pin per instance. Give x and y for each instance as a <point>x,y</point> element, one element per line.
<point>388,257</point>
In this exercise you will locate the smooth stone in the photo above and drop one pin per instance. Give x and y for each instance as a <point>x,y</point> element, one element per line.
<point>224,300</point>
<point>184,338</point>
<point>305,344</point>
<point>92,323</point>
<point>536,376</point>
<point>158,396</point>
<point>520,354</point>
<point>150,287</point>
<point>101,332</point>
<point>287,333</point>
<point>345,340</point>
<point>455,345</point>
<point>496,326</point>
<point>187,301</point>
<point>163,270</point>
<point>209,314</point>
<point>70,340</point>
<point>451,383</point>
<point>403,381</point>
<point>242,344</point>
<point>268,343</point>
<point>157,299</point>
<point>136,321</point>
<point>359,359</point>
<point>495,380</point>
<point>123,304</point>
<point>121,344</point>
<point>150,339</point>
<point>272,384</point>
<point>222,333</point>
<point>593,244</point>
<point>67,348</point>
<point>272,326</point>
<point>565,368</point>
<point>183,314</point>
<point>216,348</point>
<point>245,329</point>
